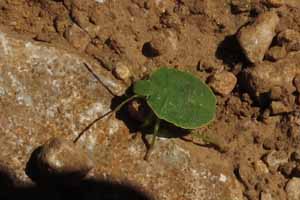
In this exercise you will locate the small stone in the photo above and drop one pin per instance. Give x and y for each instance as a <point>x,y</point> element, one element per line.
<point>223,82</point>
<point>78,38</point>
<point>293,189</point>
<point>63,158</point>
<point>260,167</point>
<point>290,39</point>
<point>296,156</point>
<point>268,144</point>
<point>296,82</point>
<point>287,168</point>
<point>266,196</point>
<point>274,159</point>
<point>278,107</point>
<point>121,71</point>
<point>275,3</point>
<point>255,39</point>
<point>163,43</point>
<point>276,53</point>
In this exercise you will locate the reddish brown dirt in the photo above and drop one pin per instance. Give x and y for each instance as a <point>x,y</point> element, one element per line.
<point>196,36</point>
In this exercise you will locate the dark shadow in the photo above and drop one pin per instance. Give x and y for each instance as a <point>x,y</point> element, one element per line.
<point>166,130</point>
<point>87,190</point>
<point>230,52</point>
<point>149,51</point>
<point>51,188</point>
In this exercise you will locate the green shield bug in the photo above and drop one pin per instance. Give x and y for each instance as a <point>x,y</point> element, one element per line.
<point>176,97</point>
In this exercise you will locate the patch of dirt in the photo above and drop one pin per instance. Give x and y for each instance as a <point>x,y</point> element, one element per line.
<point>195,36</point>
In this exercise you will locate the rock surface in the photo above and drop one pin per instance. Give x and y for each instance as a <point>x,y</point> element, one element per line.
<point>290,39</point>
<point>264,76</point>
<point>223,82</point>
<point>59,157</point>
<point>292,189</point>
<point>255,39</point>
<point>46,92</point>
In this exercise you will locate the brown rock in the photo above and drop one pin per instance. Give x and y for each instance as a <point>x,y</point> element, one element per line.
<point>121,71</point>
<point>255,39</point>
<point>290,39</point>
<point>292,189</point>
<point>59,157</point>
<point>275,3</point>
<point>274,159</point>
<point>266,196</point>
<point>78,38</point>
<point>45,90</point>
<point>297,82</point>
<point>223,82</point>
<point>264,76</point>
<point>278,107</point>
<point>275,53</point>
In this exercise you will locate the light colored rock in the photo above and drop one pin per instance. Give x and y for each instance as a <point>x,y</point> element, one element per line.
<point>264,76</point>
<point>266,196</point>
<point>223,82</point>
<point>276,158</point>
<point>46,92</point>
<point>290,39</point>
<point>121,71</point>
<point>59,157</point>
<point>256,38</point>
<point>293,189</point>
<point>78,38</point>
<point>275,3</point>
<point>278,107</point>
<point>260,167</point>
<point>43,96</point>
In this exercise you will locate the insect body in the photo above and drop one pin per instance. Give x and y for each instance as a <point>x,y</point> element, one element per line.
<point>176,97</point>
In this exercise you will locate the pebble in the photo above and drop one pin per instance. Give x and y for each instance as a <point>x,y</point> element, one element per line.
<point>265,196</point>
<point>256,38</point>
<point>290,39</point>
<point>296,156</point>
<point>260,167</point>
<point>275,158</point>
<point>59,157</point>
<point>276,53</point>
<point>121,71</point>
<point>275,3</point>
<point>296,82</point>
<point>78,38</point>
<point>293,189</point>
<point>163,43</point>
<point>223,82</point>
<point>278,107</point>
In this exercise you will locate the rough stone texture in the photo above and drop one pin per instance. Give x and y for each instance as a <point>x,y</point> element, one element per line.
<point>45,92</point>
<point>223,82</point>
<point>293,189</point>
<point>290,39</point>
<point>264,76</point>
<point>60,157</point>
<point>255,39</point>
<point>276,158</point>
<point>78,38</point>
<point>275,3</point>
<point>276,53</point>
<point>266,196</point>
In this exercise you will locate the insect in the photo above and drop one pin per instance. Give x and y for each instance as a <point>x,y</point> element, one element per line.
<point>176,97</point>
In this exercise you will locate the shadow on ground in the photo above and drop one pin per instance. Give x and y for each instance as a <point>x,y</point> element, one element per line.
<point>85,190</point>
